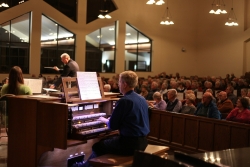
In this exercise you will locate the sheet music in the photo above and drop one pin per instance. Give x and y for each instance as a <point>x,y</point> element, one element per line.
<point>180,96</point>
<point>34,84</point>
<point>88,85</point>
<point>199,95</point>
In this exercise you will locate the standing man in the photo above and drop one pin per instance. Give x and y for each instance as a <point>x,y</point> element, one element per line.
<point>130,117</point>
<point>69,69</point>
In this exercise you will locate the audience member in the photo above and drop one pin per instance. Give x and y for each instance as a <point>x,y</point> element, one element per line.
<point>224,104</point>
<point>159,103</point>
<point>243,92</point>
<point>181,87</point>
<point>188,107</point>
<point>16,83</point>
<point>106,88</point>
<point>230,94</point>
<point>241,112</point>
<point>144,92</point>
<point>164,87</point>
<point>207,108</point>
<point>154,88</point>
<point>173,104</point>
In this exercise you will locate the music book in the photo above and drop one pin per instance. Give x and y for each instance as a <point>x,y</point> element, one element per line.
<point>88,85</point>
<point>34,84</point>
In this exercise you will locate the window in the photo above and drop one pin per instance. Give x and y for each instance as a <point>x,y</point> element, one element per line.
<point>67,7</point>
<point>138,50</point>
<point>55,40</point>
<point>101,50</point>
<point>15,44</point>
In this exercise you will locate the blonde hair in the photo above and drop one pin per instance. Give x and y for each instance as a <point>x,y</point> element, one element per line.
<point>191,97</point>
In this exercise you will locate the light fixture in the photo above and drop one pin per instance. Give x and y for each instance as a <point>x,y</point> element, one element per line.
<point>159,2</point>
<point>166,19</point>
<point>3,4</point>
<point>104,10</point>
<point>218,7</point>
<point>232,19</point>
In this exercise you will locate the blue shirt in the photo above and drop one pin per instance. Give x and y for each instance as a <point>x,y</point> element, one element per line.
<point>130,116</point>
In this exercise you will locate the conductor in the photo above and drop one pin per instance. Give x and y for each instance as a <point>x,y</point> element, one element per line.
<point>69,69</point>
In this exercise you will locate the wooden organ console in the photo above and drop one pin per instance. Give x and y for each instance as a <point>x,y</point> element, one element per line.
<point>41,126</point>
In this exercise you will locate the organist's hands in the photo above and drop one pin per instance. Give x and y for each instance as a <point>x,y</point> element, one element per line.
<point>103,120</point>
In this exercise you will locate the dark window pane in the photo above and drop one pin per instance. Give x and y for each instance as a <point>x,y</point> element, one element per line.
<point>67,7</point>
<point>15,45</point>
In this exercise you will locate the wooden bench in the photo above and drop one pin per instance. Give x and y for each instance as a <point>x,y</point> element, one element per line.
<point>113,160</point>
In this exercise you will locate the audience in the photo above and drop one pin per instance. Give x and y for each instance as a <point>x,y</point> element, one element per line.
<point>241,112</point>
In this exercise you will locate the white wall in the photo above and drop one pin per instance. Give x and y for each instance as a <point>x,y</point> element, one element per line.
<point>211,47</point>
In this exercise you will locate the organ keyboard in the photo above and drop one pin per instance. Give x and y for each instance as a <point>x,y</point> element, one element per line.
<point>83,124</point>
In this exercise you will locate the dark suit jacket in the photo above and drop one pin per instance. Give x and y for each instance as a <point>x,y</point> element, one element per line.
<point>69,70</point>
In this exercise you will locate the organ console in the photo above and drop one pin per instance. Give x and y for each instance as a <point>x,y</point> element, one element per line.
<point>42,126</point>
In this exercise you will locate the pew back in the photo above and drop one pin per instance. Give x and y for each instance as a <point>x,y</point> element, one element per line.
<point>195,134</point>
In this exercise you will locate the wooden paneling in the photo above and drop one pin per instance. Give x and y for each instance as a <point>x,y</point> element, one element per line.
<point>205,136</point>
<point>196,134</point>
<point>191,133</point>
<point>55,132</point>
<point>178,130</point>
<point>165,128</point>
<point>221,137</point>
<point>239,137</point>
<point>154,126</point>
<point>22,132</point>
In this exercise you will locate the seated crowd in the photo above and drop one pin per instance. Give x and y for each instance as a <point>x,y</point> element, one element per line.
<point>219,98</point>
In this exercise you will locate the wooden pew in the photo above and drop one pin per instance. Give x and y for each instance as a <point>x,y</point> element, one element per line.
<point>193,134</point>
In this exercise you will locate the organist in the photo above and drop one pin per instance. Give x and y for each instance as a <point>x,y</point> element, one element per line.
<point>130,117</point>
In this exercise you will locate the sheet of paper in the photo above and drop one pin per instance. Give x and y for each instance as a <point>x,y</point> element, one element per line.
<point>88,85</point>
<point>199,95</point>
<point>50,90</point>
<point>180,96</point>
<point>34,84</point>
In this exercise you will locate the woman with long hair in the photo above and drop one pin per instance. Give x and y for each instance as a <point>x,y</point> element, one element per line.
<point>16,83</point>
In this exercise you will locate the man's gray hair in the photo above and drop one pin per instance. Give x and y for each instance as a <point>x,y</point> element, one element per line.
<point>173,91</point>
<point>130,78</point>
<point>65,55</point>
